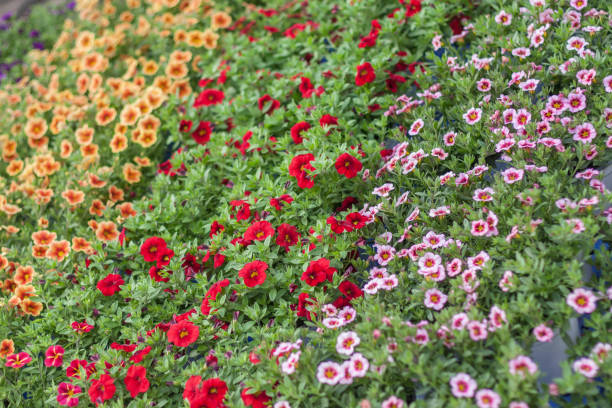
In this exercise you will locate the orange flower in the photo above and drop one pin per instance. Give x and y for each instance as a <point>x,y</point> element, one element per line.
<point>43,237</point>
<point>7,347</point>
<point>180,36</point>
<point>127,210</point>
<point>131,174</point>
<point>39,251</point>
<point>10,209</point>
<point>89,150</point>
<point>43,195</point>
<point>43,222</point>
<point>176,70</point>
<point>58,250</point>
<point>97,208</point>
<point>150,68</point>
<point>115,194</point>
<point>31,307</point>
<point>85,41</point>
<point>9,285</point>
<point>129,115</point>
<point>14,301</point>
<point>105,116</point>
<point>74,197</point>
<point>10,229</point>
<point>36,128</point>
<point>142,161</point>
<point>220,19</point>
<point>24,275</point>
<point>162,83</point>
<point>147,138</point>
<point>14,167</point>
<point>143,106</point>
<point>66,149</point>
<point>81,245</point>
<point>38,143</point>
<point>182,87</point>
<point>195,38</point>
<point>3,262</point>
<point>155,97</point>
<point>118,143</point>
<point>149,122</point>
<point>24,291</point>
<point>180,56</point>
<point>93,224</point>
<point>120,128</point>
<point>107,231</point>
<point>84,135</point>
<point>210,39</point>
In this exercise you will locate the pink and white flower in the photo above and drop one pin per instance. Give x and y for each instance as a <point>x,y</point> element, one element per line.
<point>477,330</point>
<point>282,404</point>
<point>453,268</point>
<point>601,351</point>
<point>290,364</point>
<point>512,175</point>
<point>586,367</point>
<point>584,133</point>
<point>429,261</point>
<point>576,102</point>
<point>521,52</point>
<point>416,127</point>
<point>530,85</point>
<point>384,254</point>
<point>522,365</point>
<point>384,190</point>
<point>479,261</point>
<point>392,402</point>
<point>449,138</point>
<point>483,85</point>
<point>586,76</point>
<point>479,228</point>
<point>497,318</point>
<point>463,386</point>
<point>472,116</point>
<point>521,119</point>
<point>434,299</point>
<point>347,314</point>
<point>440,211</point>
<point>329,372</point>
<point>607,83</point>
<point>582,301</point>
<point>576,44</point>
<point>578,4</point>
<point>543,333</point>
<point>503,18</point>
<point>358,365</point>
<point>577,225</point>
<point>486,398</point>
<point>459,321</point>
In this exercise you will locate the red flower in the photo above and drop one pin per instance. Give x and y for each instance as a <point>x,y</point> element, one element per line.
<point>185,125</point>
<point>253,273</point>
<point>328,120</point>
<point>212,293</point>
<point>136,380</point>
<point>259,231</point>
<point>365,74</point>
<point>140,354</point>
<point>209,97</point>
<point>297,168</point>
<point>257,400</point>
<point>355,220</point>
<point>347,203</point>
<point>218,260</point>
<point>102,389</point>
<point>277,202</point>
<point>273,105</point>
<point>54,356</point>
<point>305,300</point>
<point>154,273</point>
<point>150,249</point>
<point>287,236</point>
<point>213,390</point>
<point>296,131</point>
<point>335,225</point>
<point>413,8</point>
<point>348,165</point>
<point>202,134</point>
<point>215,228</point>
<point>73,370</point>
<point>318,271</point>
<point>306,87</point>
<point>350,290</point>
<point>165,255</point>
<point>192,392</point>
<point>183,333</point>
<point>110,285</point>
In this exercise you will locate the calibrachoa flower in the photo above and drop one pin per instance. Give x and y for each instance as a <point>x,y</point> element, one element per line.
<point>473,116</point>
<point>329,373</point>
<point>183,333</point>
<point>365,74</point>
<point>543,333</point>
<point>151,248</point>
<point>259,231</point>
<point>136,380</point>
<point>18,360</point>
<point>297,168</point>
<point>392,402</point>
<point>586,367</point>
<point>346,342</point>
<point>582,301</point>
<point>110,285</point>
<point>463,386</point>
<point>347,165</point>
<point>512,175</point>
<point>253,273</point>
<point>434,299</point>
<point>54,356</point>
<point>67,394</point>
<point>522,365</point>
<point>102,389</point>
<point>486,398</point>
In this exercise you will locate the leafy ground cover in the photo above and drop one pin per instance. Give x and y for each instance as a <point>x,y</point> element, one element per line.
<point>309,204</point>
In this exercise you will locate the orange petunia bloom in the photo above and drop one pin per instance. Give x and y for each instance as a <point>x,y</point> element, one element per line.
<point>14,301</point>
<point>180,56</point>
<point>58,123</point>
<point>155,97</point>
<point>176,70</point>
<point>131,174</point>
<point>65,149</point>
<point>9,285</point>
<point>43,237</point>
<point>107,231</point>
<point>129,115</point>
<point>150,68</point>
<point>120,128</point>
<point>43,222</point>
<point>73,197</point>
<point>38,143</point>
<point>24,291</point>
<point>118,143</point>
<point>210,39</point>
<point>10,229</point>
<point>180,36</point>
<point>31,307</point>
<point>149,122</point>
<point>10,209</point>
<point>82,83</point>
<point>36,128</point>
<point>143,106</point>
<point>89,150</point>
<point>24,275</point>
<point>147,138</point>
<point>115,194</point>
<point>3,262</point>
<point>14,167</point>
<point>97,208</point>
<point>127,210</point>
<point>163,83</point>
<point>7,347</point>
<point>84,135</point>
<point>58,250</point>
<point>105,116</point>
<point>220,19</point>
<point>142,161</point>
<point>85,41</point>
<point>81,245</point>
<point>39,251</point>
<point>182,87</point>
<point>93,224</point>
<point>43,195</point>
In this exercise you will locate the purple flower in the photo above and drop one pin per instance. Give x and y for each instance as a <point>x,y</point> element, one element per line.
<point>38,45</point>
<point>34,33</point>
<point>71,5</point>
<point>6,16</point>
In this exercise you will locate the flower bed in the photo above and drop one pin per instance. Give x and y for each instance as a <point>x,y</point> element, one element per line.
<point>373,203</point>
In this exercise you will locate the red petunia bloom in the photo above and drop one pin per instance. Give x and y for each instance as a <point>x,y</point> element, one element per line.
<point>306,87</point>
<point>256,400</point>
<point>73,370</point>
<point>192,392</point>
<point>140,354</point>
<point>165,255</point>
<point>278,202</point>
<point>287,236</point>
<point>213,390</point>
<point>318,271</point>
<point>365,74</point>
<point>209,97</point>
<point>267,100</point>
<point>350,290</point>
<point>305,300</point>
<point>259,231</point>
<point>54,356</point>
<point>18,360</point>
<point>412,8</point>
<point>296,131</point>
<point>254,273</point>
<point>185,125</point>
<point>347,203</point>
<point>150,249</point>
<point>202,134</point>
<point>328,120</point>
<point>212,294</point>
<point>136,380</point>
<point>183,333</point>
<point>110,285</point>
<point>355,221</point>
<point>215,228</point>
<point>102,389</point>
<point>348,165</point>
<point>154,273</point>
<point>297,168</point>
